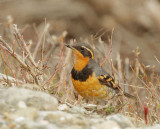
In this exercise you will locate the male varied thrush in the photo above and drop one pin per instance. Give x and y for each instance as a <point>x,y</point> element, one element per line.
<point>89,79</point>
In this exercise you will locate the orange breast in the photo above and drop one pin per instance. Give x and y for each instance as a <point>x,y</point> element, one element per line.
<point>91,88</point>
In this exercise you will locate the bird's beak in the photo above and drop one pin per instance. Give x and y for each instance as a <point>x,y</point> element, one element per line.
<point>76,52</point>
<point>69,46</point>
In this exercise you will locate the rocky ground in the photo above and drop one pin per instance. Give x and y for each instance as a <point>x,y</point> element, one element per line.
<point>22,108</point>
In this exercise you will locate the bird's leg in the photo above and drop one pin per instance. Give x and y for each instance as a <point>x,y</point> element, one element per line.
<point>93,97</point>
<point>79,99</point>
<point>91,101</point>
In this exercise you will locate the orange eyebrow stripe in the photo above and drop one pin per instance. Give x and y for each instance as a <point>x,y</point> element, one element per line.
<point>89,51</point>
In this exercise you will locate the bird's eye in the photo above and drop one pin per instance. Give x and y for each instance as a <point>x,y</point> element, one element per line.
<point>82,48</point>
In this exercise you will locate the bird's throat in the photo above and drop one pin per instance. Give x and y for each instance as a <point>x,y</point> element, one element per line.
<point>81,63</point>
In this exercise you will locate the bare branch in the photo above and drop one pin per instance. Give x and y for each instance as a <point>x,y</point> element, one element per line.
<point>14,54</point>
<point>20,37</point>
<point>9,78</point>
<point>5,46</point>
<point>110,51</point>
<point>40,39</point>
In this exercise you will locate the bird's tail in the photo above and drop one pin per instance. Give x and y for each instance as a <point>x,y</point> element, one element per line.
<point>125,93</point>
<point>129,96</point>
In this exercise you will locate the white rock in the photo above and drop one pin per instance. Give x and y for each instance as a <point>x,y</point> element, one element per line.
<point>63,107</point>
<point>123,121</point>
<point>21,104</point>
<point>40,100</point>
<point>157,126</point>
<point>108,125</point>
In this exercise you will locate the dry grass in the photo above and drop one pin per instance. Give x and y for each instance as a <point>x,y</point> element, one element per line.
<point>47,64</point>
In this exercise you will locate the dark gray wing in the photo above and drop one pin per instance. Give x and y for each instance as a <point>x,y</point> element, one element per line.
<point>103,77</point>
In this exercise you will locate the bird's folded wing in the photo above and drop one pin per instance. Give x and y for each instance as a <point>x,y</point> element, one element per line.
<point>108,81</point>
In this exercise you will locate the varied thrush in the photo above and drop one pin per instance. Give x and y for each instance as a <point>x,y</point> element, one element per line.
<point>89,79</point>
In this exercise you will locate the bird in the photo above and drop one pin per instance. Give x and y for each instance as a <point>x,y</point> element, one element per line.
<point>89,79</point>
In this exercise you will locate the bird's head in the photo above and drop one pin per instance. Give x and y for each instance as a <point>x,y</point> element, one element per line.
<point>82,50</point>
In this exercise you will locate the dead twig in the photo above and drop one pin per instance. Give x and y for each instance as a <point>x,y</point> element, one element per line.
<point>110,51</point>
<point>40,39</point>
<point>54,42</point>
<point>20,37</point>
<point>13,54</point>
<point>157,59</point>
<point>6,47</point>
<point>9,78</point>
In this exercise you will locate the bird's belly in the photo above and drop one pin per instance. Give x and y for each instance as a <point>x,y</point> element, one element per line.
<point>91,88</point>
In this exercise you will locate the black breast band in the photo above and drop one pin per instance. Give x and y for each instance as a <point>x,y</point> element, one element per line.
<point>82,75</point>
